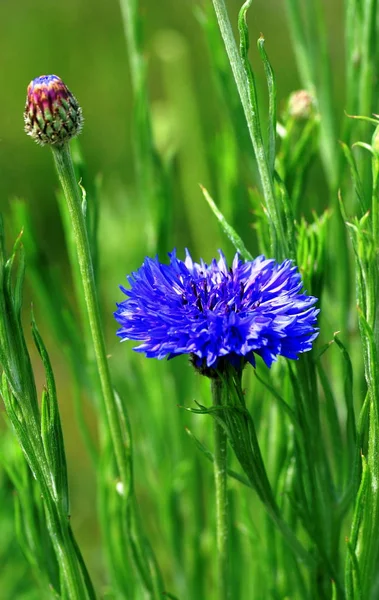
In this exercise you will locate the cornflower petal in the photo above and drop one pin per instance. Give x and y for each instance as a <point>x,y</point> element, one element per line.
<point>214,312</point>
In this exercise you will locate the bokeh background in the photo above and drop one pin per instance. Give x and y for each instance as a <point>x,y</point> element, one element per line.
<point>83,42</point>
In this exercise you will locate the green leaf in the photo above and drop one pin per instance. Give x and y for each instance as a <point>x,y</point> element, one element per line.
<point>351,430</point>
<point>14,357</point>
<point>271,84</point>
<point>228,229</point>
<point>51,429</point>
<point>358,187</point>
<point>16,289</point>
<point>364,118</point>
<point>333,424</point>
<point>208,454</point>
<point>281,402</point>
<point>358,516</point>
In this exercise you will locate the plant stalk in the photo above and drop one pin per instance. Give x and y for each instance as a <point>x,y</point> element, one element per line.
<point>66,174</point>
<point>246,89</point>
<point>220,476</point>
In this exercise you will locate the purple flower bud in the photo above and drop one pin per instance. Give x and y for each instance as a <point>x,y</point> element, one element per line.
<point>52,114</point>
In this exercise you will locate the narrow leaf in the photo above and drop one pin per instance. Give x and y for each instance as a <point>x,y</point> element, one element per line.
<point>228,229</point>
<point>51,429</point>
<point>358,187</point>
<point>208,454</point>
<point>271,84</point>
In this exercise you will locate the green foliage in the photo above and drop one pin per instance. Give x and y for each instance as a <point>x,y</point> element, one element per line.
<point>39,435</point>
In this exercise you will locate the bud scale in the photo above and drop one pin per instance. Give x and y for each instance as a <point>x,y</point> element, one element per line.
<point>52,114</point>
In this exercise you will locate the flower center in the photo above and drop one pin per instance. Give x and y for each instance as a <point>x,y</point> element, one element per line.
<point>218,296</point>
<point>222,296</point>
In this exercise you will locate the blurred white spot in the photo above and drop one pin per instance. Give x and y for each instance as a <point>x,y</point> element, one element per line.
<point>120,488</point>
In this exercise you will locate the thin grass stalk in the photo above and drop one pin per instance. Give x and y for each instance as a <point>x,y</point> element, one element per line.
<point>352,32</point>
<point>145,158</point>
<point>367,57</point>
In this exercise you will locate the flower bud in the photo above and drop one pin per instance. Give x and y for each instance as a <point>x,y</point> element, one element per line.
<point>52,114</point>
<point>301,105</point>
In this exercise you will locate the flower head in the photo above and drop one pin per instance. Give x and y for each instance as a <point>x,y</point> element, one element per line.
<point>301,105</point>
<point>52,114</point>
<point>218,313</point>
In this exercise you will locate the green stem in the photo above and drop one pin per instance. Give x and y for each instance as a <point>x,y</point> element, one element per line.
<point>57,523</point>
<point>259,479</point>
<point>368,552</point>
<point>65,169</point>
<point>368,56</point>
<point>246,88</point>
<point>144,152</point>
<point>77,589</point>
<point>129,13</point>
<point>81,421</point>
<point>220,475</point>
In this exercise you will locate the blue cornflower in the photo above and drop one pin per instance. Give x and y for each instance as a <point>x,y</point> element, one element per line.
<point>218,313</point>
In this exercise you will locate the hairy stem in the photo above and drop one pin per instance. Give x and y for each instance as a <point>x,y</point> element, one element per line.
<point>220,476</point>
<point>65,169</point>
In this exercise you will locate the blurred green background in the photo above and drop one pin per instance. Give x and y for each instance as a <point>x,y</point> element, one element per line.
<point>82,41</point>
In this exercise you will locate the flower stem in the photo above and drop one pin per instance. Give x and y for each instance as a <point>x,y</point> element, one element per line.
<point>220,475</point>
<point>245,83</point>
<point>65,169</point>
